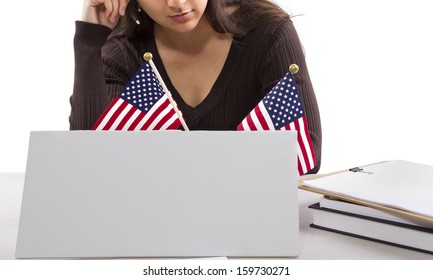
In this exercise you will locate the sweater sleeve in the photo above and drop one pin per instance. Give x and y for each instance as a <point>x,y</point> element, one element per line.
<point>92,91</point>
<point>284,48</point>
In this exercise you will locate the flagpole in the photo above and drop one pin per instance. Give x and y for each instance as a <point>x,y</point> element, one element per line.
<point>148,57</point>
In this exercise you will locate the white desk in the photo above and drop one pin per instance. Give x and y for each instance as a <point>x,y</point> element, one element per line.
<point>315,244</point>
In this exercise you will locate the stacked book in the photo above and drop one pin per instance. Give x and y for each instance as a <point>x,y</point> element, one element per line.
<point>372,224</point>
<point>390,203</point>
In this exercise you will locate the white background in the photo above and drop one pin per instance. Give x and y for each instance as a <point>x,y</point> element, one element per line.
<point>370,62</point>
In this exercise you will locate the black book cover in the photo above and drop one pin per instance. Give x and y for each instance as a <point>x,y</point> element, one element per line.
<point>316,206</point>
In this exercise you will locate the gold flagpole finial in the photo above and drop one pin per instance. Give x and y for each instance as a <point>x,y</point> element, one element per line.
<point>148,56</point>
<point>294,68</point>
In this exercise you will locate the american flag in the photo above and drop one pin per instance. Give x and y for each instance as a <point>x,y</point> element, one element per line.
<point>282,109</point>
<point>142,105</point>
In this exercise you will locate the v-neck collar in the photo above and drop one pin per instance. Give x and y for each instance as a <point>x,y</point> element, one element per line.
<point>217,91</point>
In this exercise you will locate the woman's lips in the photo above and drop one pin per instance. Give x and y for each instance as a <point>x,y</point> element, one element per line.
<point>181,17</point>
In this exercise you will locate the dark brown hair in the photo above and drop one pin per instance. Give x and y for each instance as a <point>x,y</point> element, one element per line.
<point>247,15</point>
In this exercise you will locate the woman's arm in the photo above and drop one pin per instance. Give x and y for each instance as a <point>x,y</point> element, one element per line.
<point>89,97</point>
<point>92,92</point>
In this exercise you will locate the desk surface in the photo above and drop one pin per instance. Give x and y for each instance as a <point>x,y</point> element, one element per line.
<point>315,244</point>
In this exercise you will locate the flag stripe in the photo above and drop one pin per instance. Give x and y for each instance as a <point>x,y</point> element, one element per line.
<point>307,142</point>
<point>123,116</point>
<point>148,122</point>
<point>175,123</point>
<point>106,115</point>
<point>115,114</point>
<point>127,118</point>
<point>171,120</point>
<point>135,114</point>
<point>135,123</point>
<point>306,160</point>
<point>250,123</point>
<point>255,119</point>
<point>162,118</point>
<point>301,161</point>
<point>241,126</point>
<point>264,118</point>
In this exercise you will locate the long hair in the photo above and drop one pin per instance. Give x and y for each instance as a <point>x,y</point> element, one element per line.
<point>247,15</point>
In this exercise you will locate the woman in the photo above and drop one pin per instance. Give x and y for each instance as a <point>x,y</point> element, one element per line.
<point>218,58</point>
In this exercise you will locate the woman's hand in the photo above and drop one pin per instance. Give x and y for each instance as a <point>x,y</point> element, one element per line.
<point>105,12</point>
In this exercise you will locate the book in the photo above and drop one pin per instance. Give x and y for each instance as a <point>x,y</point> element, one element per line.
<point>401,187</point>
<point>355,208</point>
<point>389,232</point>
